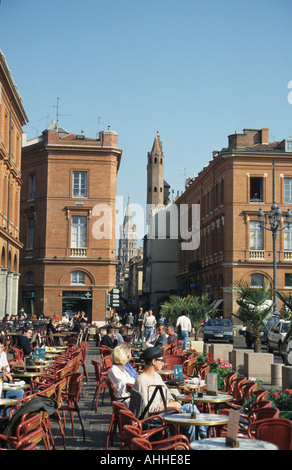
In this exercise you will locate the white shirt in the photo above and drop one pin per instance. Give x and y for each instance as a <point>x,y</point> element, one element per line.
<point>185,323</point>
<point>120,377</point>
<point>4,361</point>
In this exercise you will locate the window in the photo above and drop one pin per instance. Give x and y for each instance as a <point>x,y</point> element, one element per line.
<point>288,279</point>
<point>79,184</point>
<point>31,187</point>
<point>29,278</point>
<point>30,233</point>
<point>287,238</point>
<point>256,189</point>
<point>287,190</point>
<point>77,277</point>
<point>78,231</point>
<point>256,280</point>
<point>256,239</point>
<point>288,145</point>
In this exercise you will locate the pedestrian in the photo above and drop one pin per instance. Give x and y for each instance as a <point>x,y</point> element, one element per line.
<point>130,319</point>
<point>149,324</point>
<point>184,327</point>
<point>140,320</point>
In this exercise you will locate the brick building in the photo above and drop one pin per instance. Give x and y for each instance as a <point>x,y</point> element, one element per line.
<point>68,222</point>
<point>251,173</point>
<point>12,118</point>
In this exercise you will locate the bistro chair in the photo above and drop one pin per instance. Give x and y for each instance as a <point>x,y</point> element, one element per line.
<point>147,427</point>
<point>275,430</point>
<point>143,444</point>
<point>132,432</point>
<point>70,399</point>
<point>101,384</point>
<point>114,423</point>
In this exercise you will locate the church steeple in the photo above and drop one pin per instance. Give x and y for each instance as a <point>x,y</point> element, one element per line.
<point>155,173</point>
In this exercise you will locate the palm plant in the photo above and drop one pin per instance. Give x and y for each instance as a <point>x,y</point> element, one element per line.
<point>198,309</point>
<point>287,302</point>
<point>254,308</point>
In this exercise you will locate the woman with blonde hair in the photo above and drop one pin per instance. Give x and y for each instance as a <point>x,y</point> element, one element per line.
<point>118,373</point>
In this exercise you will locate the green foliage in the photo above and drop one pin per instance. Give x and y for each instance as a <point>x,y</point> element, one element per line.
<point>254,307</point>
<point>197,308</point>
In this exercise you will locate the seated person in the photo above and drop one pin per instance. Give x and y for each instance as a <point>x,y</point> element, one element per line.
<point>145,384</point>
<point>7,377</point>
<point>24,341</point>
<point>118,373</point>
<point>122,333</point>
<point>50,328</point>
<point>110,339</point>
<point>160,340</point>
<point>172,337</point>
<point>76,325</point>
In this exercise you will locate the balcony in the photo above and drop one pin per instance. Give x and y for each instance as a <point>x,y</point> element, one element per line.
<point>78,252</point>
<point>257,254</point>
<point>287,255</point>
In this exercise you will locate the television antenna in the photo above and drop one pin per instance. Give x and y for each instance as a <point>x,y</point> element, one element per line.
<point>57,111</point>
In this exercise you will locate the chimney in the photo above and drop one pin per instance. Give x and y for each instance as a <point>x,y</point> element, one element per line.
<point>265,136</point>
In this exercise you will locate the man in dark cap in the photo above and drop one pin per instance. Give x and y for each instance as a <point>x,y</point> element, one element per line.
<point>145,385</point>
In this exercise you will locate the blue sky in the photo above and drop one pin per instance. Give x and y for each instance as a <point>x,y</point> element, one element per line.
<point>195,70</point>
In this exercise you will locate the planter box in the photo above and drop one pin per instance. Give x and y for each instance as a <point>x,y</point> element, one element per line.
<point>258,365</point>
<point>198,346</point>
<point>286,377</point>
<point>221,350</point>
<point>237,359</point>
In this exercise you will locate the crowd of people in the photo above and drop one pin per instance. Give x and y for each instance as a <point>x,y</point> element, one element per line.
<point>153,329</point>
<point>155,335</point>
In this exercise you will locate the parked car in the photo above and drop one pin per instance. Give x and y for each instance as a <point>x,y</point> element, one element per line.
<point>287,355</point>
<point>277,335</point>
<point>218,329</point>
<point>264,331</point>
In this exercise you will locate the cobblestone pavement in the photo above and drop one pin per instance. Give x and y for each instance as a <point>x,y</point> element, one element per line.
<point>95,424</point>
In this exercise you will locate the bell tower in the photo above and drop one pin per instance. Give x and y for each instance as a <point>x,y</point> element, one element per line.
<point>155,173</point>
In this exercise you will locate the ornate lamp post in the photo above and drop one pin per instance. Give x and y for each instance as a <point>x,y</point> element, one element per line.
<point>275,217</point>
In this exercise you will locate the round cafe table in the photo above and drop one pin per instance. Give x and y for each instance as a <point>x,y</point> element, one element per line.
<point>27,375</point>
<point>207,399</point>
<point>7,401</point>
<point>15,386</point>
<point>218,443</point>
<point>202,419</point>
<point>166,373</point>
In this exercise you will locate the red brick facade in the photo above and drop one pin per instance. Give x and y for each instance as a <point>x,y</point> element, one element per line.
<point>237,182</point>
<point>12,118</point>
<point>68,265</point>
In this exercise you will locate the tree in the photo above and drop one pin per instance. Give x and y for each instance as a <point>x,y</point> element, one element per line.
<point>287,302</point>
<point>254,308</point>
<point>198,309</point>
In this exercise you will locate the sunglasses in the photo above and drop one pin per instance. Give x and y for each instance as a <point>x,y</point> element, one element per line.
<point>161,360</point>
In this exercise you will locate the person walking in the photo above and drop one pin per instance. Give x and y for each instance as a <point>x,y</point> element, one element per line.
<point>149,324</point>
<point>183,327</point>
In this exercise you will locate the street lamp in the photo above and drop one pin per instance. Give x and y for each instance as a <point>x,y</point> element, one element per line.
<point>275,217</point>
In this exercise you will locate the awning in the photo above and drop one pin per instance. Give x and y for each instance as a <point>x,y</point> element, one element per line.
<point>215,303</point>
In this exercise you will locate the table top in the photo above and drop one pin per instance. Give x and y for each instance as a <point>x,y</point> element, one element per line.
<point>202,419</point>
<point>166,372</point>
<point>218,443</point>
<point>15,387</point>
<point>7,401</point>
<point>27,374</point>
<point>220,398</point>
<point>37,366</point>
